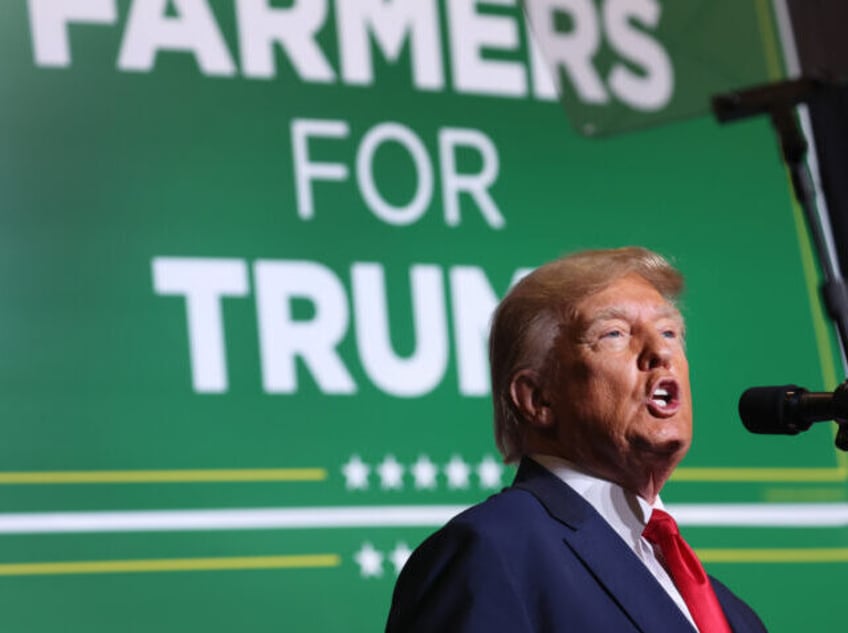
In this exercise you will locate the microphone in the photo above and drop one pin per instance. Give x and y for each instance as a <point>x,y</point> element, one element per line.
<point>790,409</point>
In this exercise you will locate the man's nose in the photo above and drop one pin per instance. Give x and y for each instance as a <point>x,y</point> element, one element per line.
<point>656,352</point>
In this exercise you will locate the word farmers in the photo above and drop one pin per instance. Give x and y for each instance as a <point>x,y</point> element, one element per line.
<point>484,47</point>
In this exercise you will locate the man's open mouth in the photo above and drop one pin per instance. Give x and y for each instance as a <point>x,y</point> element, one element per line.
<point>663,399</point>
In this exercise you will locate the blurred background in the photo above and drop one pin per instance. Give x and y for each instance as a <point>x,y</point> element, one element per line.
<point>248,253</point>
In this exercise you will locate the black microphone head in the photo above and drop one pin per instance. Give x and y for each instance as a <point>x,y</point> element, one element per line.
<point>766,409</point>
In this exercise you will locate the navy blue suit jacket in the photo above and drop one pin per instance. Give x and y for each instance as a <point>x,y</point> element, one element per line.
<point>538,558</point>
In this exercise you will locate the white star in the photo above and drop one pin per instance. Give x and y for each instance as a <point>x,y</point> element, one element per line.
<point>391,474</point>
<point>424,472</point>
<point>356,473</point>
<point>399,555</point>
<point>489,472</point>
<point>457,472</point>
<point>370,561</point>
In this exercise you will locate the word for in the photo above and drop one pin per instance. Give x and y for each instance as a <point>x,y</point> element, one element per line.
<point>454,183</point>
<point>284,339</point>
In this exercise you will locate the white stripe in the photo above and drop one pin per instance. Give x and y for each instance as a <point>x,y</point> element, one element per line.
<point>726,515</point>
<point>235,519</point>
<point>762,515</point>
<point>787,39</point>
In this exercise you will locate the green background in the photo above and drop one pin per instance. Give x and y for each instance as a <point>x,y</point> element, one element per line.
<point>101,171</point>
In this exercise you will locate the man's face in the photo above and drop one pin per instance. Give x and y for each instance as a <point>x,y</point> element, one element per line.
<point>620,395</point>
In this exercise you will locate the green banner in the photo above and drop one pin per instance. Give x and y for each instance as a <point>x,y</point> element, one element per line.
<point>248,253</point>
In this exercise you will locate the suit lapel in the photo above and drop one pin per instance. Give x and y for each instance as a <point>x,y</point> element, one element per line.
<point>604,553</point>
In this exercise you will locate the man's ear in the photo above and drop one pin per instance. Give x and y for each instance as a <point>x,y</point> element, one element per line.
<point>530,398</point>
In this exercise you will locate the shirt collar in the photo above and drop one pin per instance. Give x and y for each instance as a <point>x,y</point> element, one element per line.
<point>626,512</point>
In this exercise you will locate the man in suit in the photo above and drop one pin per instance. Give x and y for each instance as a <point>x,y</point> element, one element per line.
<point>590,384</point>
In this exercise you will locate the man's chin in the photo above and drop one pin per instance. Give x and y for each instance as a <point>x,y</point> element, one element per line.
<point>673,448</point>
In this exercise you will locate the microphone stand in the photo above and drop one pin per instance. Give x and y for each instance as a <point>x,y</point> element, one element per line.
<point>778,101</point>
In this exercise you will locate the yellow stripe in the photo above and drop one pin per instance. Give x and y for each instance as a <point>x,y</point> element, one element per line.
<point>838,474</point>
<point>774,67</point>
<point>708,556</point>
<point>169,565</point>
<point>762,474</point>
<point>811,555</point>
<point>162,476</point>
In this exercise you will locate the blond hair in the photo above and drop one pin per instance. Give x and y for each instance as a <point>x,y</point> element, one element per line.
<point>538,307</point>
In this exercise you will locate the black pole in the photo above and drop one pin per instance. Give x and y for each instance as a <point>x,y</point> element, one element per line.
<point>779,101</point>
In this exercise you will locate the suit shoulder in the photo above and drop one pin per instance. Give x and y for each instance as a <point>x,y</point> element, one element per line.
<point>510,507</point>
<point>465,571</point>
<point>502,525</point>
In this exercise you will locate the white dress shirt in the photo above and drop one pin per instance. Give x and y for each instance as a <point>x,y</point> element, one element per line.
<point>627,514</point>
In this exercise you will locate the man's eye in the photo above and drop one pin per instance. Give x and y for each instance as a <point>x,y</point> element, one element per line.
<point>669,334</point>
<point>613,334</point>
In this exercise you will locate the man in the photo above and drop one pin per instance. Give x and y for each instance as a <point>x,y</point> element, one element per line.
<point>590,384</point>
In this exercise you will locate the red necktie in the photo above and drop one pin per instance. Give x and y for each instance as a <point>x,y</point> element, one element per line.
<point>687,573</point>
